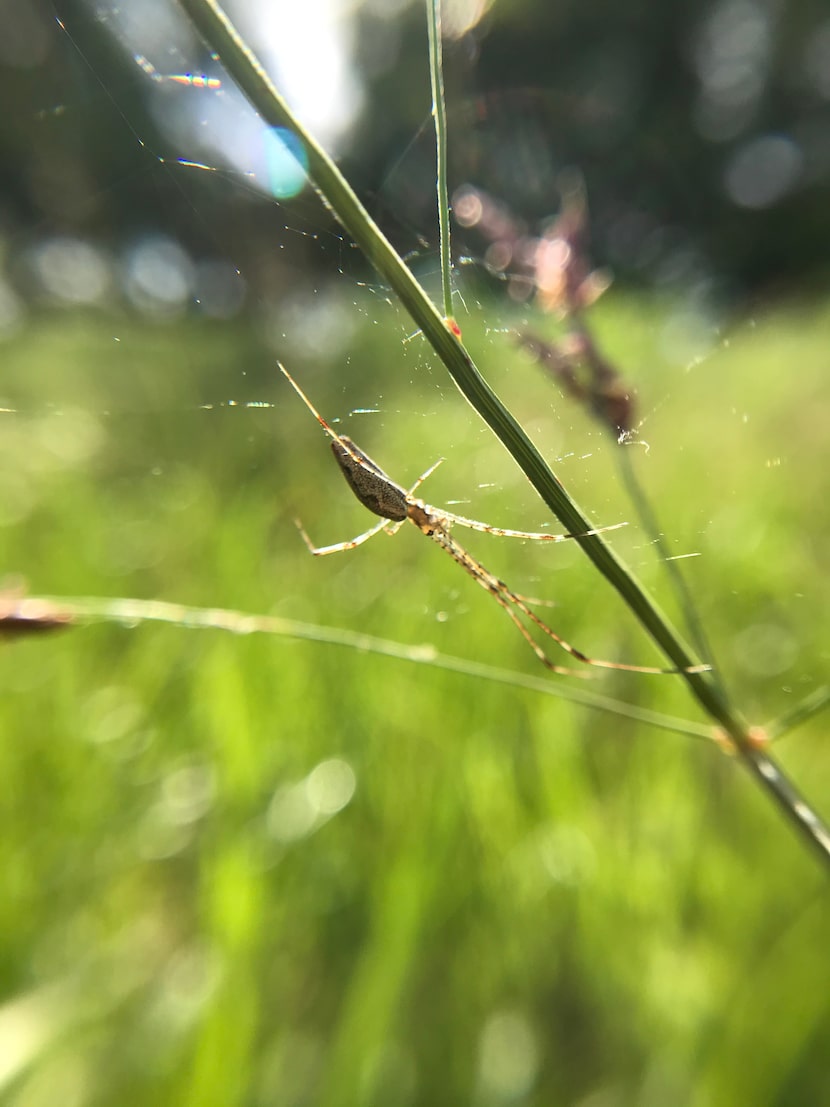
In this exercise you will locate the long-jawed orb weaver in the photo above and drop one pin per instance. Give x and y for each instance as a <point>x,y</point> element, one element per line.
<point>382,496</point>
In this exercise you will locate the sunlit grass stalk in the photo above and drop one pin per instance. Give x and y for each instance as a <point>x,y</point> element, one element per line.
<point>128,611</point>
<point>220,35</point>
<point>439,115</point>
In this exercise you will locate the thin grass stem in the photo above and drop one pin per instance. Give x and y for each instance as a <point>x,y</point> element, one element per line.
<point>129,612</point>
<point>439,115</point>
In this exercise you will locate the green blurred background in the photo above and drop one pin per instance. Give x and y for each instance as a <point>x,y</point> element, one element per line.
<point>251,870</point>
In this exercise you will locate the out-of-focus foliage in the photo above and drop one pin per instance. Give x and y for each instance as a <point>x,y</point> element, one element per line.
<point>248,870</point>
<point>701,129</point>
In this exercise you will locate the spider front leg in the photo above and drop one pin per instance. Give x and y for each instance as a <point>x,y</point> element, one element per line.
<point>501,532</point>
<point>424,476</point>
<point>340,547</point>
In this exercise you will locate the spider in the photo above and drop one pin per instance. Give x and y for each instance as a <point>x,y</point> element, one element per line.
<point>382,496</point>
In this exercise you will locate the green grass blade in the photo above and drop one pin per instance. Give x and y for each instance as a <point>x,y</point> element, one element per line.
<point>439,114</point>
<point>129,612</point>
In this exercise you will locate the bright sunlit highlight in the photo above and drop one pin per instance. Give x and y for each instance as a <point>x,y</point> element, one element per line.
<point>286,162</point>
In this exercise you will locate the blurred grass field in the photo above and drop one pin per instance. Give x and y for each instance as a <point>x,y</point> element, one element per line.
<point>253,870</point>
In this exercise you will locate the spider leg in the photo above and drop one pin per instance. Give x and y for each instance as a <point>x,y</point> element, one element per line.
<point>339,547</point>
<point>474,524</point>
<point>501,594</point>
<point>424,476</point>
<point>505,598</point>
<point>596,662</point>
<point>331,433</point>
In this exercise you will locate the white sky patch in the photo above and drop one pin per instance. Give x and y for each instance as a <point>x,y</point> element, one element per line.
<point>307,49</point>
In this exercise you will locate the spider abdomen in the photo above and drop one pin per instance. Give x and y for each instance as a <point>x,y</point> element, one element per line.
<point>375,490</point>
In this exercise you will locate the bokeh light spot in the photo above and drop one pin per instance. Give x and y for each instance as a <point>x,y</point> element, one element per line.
<point>299,809</point>
<point>508,1056</point>
<point>763,170</point>
<point>188,791</point>
<point>290,814</point>
<point>331,785</point>
<point>158,276</point>
<point>70,270</point>
<point>286,162</point>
